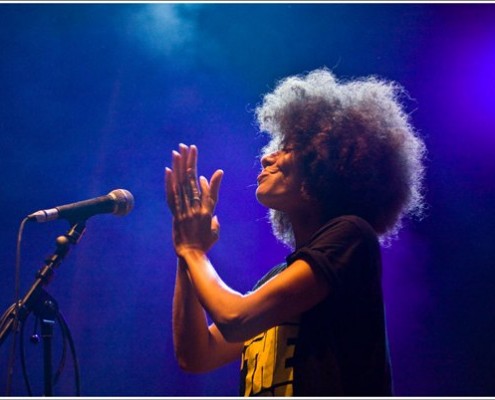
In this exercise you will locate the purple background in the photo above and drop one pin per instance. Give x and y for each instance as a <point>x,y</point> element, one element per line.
<point>95,97</point>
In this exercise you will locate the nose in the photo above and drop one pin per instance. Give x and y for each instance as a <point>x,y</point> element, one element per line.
<point>269,159</point>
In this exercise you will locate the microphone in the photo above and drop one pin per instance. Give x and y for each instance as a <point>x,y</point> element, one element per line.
<point>119,202</point>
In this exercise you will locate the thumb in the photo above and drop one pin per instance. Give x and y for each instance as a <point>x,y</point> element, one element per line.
<point>215,181</point>
<point>215,225</point>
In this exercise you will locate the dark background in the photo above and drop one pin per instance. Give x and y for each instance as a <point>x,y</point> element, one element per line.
<point>94,97</point>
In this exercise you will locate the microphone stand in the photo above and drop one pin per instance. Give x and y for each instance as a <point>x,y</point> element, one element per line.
<point>38,301</point>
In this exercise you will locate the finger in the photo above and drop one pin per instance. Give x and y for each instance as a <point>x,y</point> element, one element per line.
<point>186,200</point>
<point>209,196</point>
<point>192,159</point>
<point>191,171</point>
<point>215,225</point>
<point>169,190</point>
<point>215,228</point>
<point>182,189</point>
<point>184,182</point>
<point>176,162</point>
<point>174,199</point>
<point>183,151</point>
<point>194,193</point>
<point>215,182</point>
<point>176,181</point>
<point>206,200</point>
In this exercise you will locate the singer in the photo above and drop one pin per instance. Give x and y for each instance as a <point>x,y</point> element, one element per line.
<point>343,167</point>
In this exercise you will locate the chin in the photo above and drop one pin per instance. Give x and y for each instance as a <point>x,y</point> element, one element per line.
<point>260,198</point>
<point>263,199</point>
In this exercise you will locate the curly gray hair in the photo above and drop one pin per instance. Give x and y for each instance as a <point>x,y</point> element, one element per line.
<point>355,145</point>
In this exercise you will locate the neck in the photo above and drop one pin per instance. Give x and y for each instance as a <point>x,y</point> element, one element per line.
<point>304,225</point>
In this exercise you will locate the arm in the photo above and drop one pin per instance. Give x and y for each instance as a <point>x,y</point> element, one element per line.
<point>198,348</point>
<point>241,317</point>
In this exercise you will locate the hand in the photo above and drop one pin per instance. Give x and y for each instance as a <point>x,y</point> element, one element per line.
<point>192,205</point>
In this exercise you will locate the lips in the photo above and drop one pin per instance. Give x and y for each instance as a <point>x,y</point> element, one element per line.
<point>261,177</point>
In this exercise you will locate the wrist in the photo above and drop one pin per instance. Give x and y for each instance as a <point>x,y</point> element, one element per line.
<point>186,252</point>
<point>181,263</point>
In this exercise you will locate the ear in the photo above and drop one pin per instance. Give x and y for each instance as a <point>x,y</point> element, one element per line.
<point>305,192</point>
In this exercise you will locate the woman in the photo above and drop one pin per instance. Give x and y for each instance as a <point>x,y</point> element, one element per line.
<point>342,169</point>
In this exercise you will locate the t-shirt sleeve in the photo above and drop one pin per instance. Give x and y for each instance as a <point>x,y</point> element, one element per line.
<point>343,252</point>
<point>270,274</point>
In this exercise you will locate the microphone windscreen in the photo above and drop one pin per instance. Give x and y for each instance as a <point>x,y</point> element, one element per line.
<point>123,201</point>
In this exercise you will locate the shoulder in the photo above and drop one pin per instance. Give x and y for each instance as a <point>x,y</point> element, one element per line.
<point>342,248</point>
<point>343,230</point>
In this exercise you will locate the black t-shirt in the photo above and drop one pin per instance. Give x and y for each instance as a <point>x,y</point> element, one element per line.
<point>339,347</point>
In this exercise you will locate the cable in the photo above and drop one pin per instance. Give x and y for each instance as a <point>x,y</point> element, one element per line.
<point>75,361</point>
<point>63,357</point>
<point>15,327</point>
<point>18,264</point>
<point>67,340</point>
<point>23,361</point>
<point>6,315</point>
<point>11,321</point>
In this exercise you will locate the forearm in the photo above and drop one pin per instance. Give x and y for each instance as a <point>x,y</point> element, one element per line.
<point>198,347</point>
<point>224,305</point>
<point>190,326</point>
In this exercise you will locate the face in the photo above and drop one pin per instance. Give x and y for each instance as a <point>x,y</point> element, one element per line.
<point>279,183</point>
